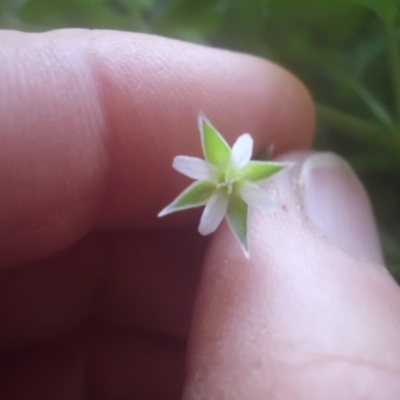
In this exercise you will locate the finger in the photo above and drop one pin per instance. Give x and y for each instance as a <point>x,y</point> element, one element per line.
<point>313,314</point>
<point>118,278</point>
<point>123,364</point>
<point>47,370</point>
<point>91,121</point>
<point>152,281</point>
<point>99,362</point>
<point>53,296</point>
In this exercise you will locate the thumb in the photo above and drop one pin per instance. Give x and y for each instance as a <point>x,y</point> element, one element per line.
<point>313,314</point>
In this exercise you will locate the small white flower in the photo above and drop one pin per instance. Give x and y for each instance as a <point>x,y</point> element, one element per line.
<point>227,182</point>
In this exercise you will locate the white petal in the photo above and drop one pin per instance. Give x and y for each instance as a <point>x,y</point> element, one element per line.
<point>242,150</point>
<point>213,213</point>
<point>255,196</point>
<point>193,167</point>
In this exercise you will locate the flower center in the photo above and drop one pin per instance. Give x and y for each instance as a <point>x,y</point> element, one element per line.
<point>227,181</point>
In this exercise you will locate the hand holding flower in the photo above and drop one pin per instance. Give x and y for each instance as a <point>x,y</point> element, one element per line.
<point>227,183</point>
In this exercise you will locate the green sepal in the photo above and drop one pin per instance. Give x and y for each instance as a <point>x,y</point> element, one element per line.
<point>266,153</point>
<point>195,195</point>
<point>215,148</point>
<point>256,171</point>
<point>238,219</point>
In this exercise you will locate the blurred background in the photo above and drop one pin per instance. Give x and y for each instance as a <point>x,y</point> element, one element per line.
<point>346,51</point>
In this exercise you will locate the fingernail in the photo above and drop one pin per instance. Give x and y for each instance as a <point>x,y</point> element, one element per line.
<point>338,206</point>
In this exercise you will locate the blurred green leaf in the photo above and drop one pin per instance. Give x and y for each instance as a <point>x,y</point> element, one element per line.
<point>392,254</point>
<point>191,19</point>
<point>386,9</point>
<point>112,14</point>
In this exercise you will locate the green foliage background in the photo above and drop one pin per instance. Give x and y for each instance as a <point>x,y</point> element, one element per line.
<point>346,51</point>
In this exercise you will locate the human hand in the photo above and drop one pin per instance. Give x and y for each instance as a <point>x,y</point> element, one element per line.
<point>96,293</point>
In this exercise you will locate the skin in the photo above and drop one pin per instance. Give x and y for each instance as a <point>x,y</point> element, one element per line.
<point>97,294</point>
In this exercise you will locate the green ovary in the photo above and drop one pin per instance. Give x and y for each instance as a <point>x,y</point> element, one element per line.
<point>228,180</point>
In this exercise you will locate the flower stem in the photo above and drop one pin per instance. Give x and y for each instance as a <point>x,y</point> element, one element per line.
<point>394,56</point>
<point>359,128</point>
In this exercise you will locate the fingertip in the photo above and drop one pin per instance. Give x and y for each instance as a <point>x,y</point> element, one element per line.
<point>302,300</point>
